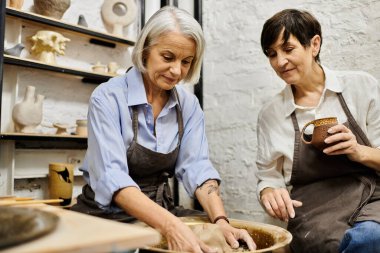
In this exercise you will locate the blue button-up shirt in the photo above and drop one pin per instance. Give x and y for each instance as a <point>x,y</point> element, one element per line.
<point>110,134</point>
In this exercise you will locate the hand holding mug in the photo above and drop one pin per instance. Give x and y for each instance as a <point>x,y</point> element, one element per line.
<point>342,141</point>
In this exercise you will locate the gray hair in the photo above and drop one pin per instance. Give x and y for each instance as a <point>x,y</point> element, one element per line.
<point>168,19</point>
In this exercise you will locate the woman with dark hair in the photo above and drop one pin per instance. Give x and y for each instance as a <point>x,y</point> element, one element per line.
<point>330,198</point>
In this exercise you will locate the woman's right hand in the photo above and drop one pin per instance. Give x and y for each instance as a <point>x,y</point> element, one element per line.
<point>180,238</point>
<point>278,203</point>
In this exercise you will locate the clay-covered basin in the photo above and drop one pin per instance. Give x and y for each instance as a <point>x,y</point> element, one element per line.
<point>268,238</point>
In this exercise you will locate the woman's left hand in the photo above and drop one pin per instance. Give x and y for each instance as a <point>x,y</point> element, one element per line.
<point>346,143</point>
<point>232,235</point>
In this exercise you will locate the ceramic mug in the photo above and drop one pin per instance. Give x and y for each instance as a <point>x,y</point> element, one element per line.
<point>320,132</point>
<point>81,127</point>
<point>61,182</point>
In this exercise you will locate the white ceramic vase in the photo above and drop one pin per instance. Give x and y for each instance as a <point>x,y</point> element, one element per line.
<point>118,14</point>
<point>27,114</point>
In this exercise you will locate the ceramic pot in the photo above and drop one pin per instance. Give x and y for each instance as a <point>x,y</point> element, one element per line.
<point>268,238</point>
<point>27,114</point>
<point>81,127</point>
<point>17,4</point>
<point>61,182</point>
<point>51,8</point>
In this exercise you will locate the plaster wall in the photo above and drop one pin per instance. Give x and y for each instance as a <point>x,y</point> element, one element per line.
<point>238,79</point>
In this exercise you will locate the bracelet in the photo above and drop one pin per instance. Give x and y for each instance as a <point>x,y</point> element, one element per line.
<point>221,218</point>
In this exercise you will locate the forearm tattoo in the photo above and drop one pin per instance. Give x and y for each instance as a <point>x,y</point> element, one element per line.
<point>211,186</point>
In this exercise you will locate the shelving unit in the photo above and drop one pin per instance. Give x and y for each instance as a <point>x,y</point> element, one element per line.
<point>28,141</point>
<point>94,37</point>
<point>14,145</point>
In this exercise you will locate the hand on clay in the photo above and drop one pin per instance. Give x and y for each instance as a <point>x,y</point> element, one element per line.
<point>180,238</point>
<point>222,237</point>
<point>232,235</point>
<point>212,236</point>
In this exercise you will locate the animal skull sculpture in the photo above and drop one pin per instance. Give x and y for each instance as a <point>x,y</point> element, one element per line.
<point>48,44</point>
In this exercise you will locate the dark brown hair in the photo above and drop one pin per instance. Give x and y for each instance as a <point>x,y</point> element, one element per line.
<point>300,24</point>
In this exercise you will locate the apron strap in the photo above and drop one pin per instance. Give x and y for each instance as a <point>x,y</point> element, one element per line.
<point>135,122</point>
<point>294,121</point>
<point>370,183</point>
<point>297,138</point>
<point>179,117</point>
<point>352,121</point>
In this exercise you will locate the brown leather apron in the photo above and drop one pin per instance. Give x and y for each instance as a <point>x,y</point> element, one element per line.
<point>150,170</point>
<point>336,192</point>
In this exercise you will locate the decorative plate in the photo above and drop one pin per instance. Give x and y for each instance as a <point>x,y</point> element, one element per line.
<point>20,224</point>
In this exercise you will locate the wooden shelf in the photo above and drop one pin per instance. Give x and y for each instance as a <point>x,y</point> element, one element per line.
<point>24,135</point>
<point>33,176</point>
<point>45,141</point>
<point>89,77</point>
<point>96,36</point>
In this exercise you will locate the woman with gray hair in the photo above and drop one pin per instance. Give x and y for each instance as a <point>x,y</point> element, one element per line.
<point>144,128</point>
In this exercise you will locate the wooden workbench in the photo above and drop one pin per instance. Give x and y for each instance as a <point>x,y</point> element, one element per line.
<point>78,232</point>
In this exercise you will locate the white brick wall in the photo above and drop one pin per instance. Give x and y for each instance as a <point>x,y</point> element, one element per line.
<point>237,78</point>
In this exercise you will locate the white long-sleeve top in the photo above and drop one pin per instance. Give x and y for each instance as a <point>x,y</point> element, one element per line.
<point>275,132</point>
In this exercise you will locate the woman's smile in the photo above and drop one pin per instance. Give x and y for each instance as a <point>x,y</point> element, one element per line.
<point>170,80</point>
<point>287,72</point>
